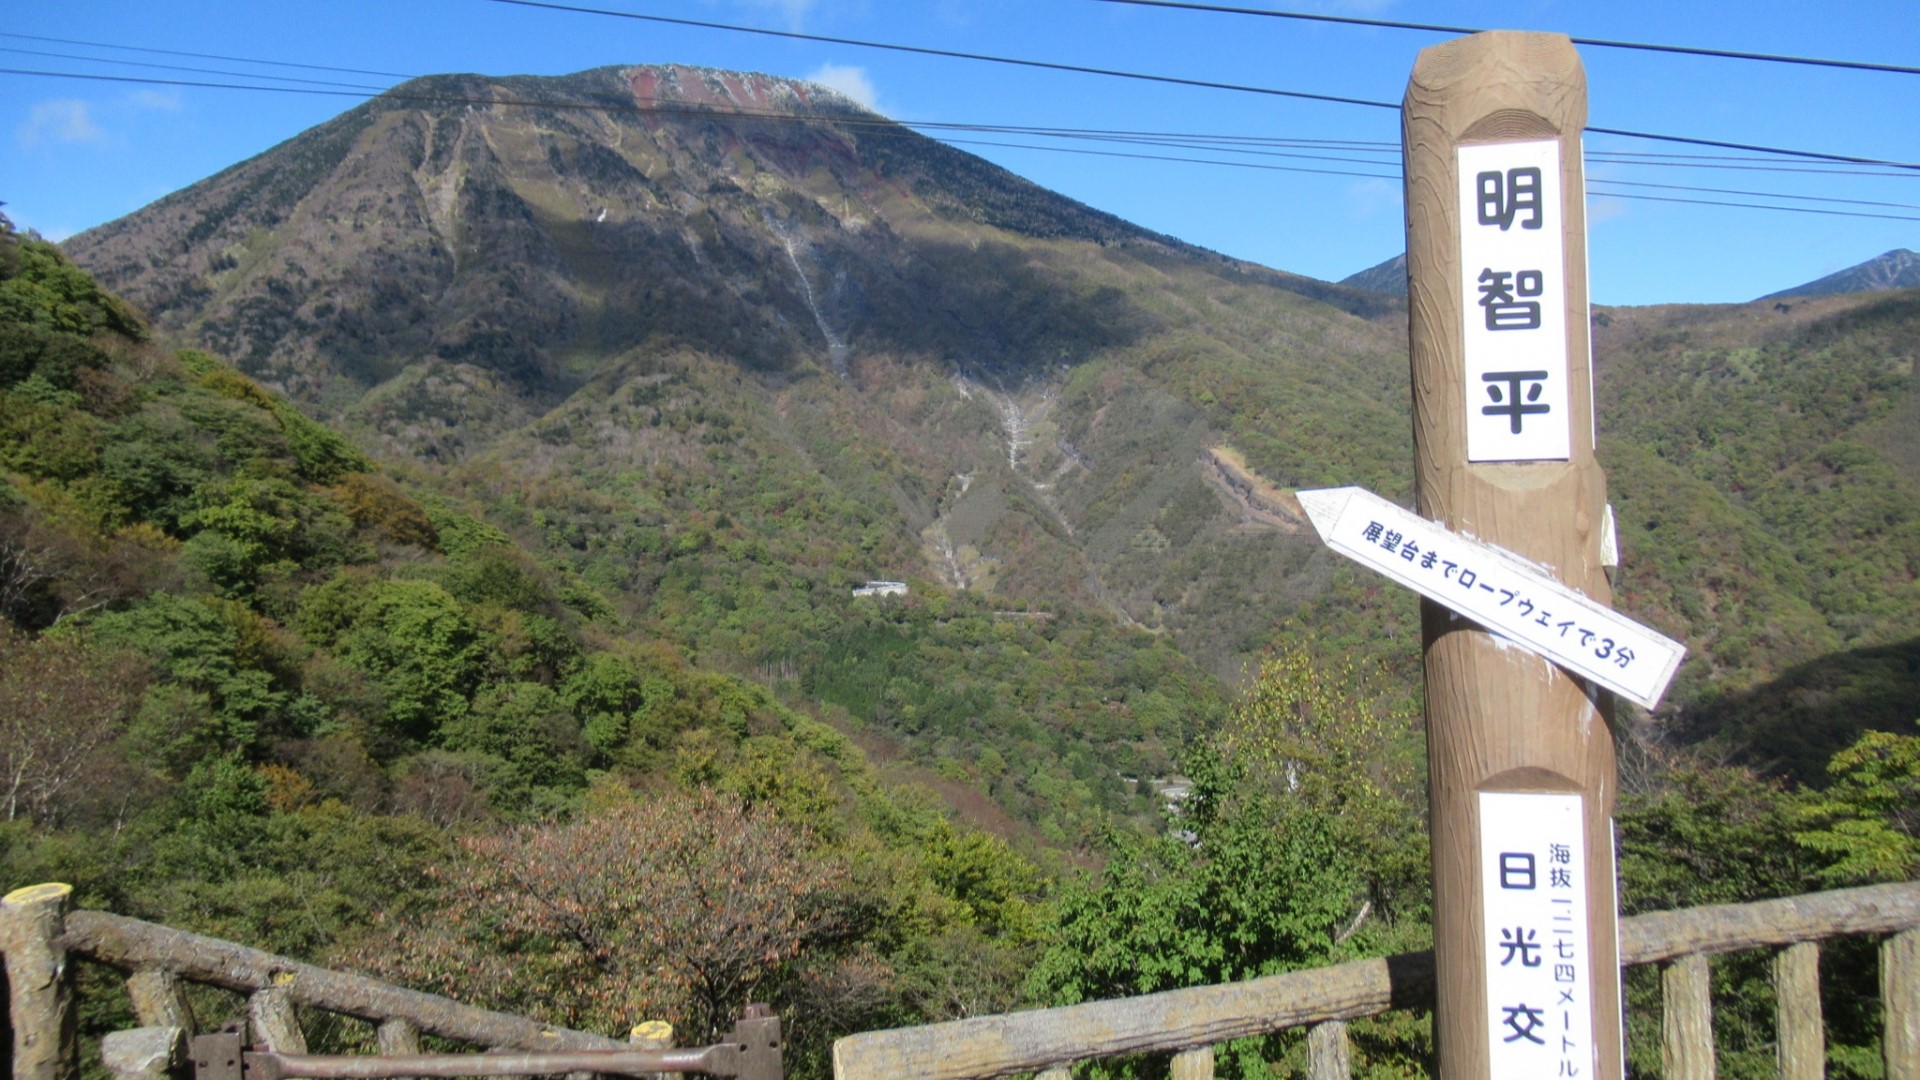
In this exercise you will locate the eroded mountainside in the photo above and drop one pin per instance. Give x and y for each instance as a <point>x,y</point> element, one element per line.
<point>731,344</point>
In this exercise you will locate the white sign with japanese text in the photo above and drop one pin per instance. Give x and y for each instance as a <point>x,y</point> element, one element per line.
<point>1499,590</point>
<point>1533,871</point>
<point>1514,301</point>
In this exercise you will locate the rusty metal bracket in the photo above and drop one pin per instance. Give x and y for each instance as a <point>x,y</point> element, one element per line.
<point>219,1056</point>
<point>757,1035</point>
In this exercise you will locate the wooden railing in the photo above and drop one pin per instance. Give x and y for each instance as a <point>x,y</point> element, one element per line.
<point>1187,1024</point>
<point>41,937</point>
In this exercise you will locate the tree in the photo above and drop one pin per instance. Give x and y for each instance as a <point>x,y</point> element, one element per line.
<point>1332,739</point>
<point>1867,821</point>
<point>1248,886</point>
<point>61,706</point>
<point>682,908</point>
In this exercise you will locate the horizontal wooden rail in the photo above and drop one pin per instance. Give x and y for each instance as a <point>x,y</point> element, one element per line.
<point>133,945</point>
<point>1665,935</point>
<point>982,1047</point>
<point>1172,1020</point>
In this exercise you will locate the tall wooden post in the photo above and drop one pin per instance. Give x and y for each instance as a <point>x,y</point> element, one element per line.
<point>39,986</point>
<point>1503,435</point>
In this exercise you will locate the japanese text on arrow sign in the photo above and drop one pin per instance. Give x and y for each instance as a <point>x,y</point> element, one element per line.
<point>1499,590</point>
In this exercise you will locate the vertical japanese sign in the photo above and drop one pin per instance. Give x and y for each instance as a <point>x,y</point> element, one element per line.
<point>1533,867</point>
<point>1514,301</point>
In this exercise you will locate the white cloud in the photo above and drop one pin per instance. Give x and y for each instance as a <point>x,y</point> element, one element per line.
<point>1600,208</point>
<point>64,120</point>
<point>1371,196</point>
<point>851,81</point>
<point>162,100</point>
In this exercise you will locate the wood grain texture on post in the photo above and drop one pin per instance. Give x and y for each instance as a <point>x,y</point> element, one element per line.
<point>1501,719</point>
<point>39,985</point>
<point>160,1000</point>
<point>1900,999</point>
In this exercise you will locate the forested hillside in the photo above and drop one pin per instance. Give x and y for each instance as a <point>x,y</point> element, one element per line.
<point>515,553</point>
<point>1761,458</point>
<point>724,346</point>
<point>254,686</point>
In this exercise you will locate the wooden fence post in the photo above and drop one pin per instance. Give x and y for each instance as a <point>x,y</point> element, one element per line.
<point>1496,260</point>
<point>46,1043</point>
<point>1800,1032</point>
<point>159,999</point>
<point>274,1022</point>
<point>1686,1026</point>
<point>1192,1065</point>
<point>398,1037</point>
<point>653,1035</point>
<point>1329,1056</point>
<point>1900,998</point>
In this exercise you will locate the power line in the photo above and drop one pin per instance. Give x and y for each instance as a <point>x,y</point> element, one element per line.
<point>550,5</point>
<point>1759,206</point>
<point>1398,177</point>
<point>197,70</point>
<point>1755,194</point>
<point>1046,65</point>
<point>1235,144</point>
<point>1602,43</point>
<point>207,56</point>
<point>950,54</point>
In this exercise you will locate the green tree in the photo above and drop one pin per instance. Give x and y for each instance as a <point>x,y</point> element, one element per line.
<point>424,650</point>
<point>1331,738</point>
<point>1867,821</point>
<point>1244,886</point>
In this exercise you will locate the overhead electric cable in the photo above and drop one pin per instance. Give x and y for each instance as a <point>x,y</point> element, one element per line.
<point>1601,43</point>
<point>950,54</point>
<point>549,5</point>
<point>207,56</point>
<point>1397,177</point>
<point>1167,157</point>
<point>1755,194</point>
<point>1761,206</point>
<point>886,126</point>
<point>180,67</point>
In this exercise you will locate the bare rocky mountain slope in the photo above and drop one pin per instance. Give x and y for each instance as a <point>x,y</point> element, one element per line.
<point>664,275</point>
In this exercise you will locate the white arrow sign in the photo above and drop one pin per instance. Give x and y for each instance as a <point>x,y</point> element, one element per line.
<point>1499,590</point>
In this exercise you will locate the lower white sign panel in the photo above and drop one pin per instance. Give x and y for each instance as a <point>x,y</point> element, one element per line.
<point>1533,881</point>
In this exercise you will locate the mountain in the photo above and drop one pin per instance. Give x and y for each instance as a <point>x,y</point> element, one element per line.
<point>748,282</point>
<point>1897,269</point>
<point>1389,277</point>
<point>728,346</point>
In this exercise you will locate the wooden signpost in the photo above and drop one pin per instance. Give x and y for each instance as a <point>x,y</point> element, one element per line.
<point>1521,759</point>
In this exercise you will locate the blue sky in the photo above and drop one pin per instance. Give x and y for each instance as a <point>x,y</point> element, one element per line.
<point>74,154</point>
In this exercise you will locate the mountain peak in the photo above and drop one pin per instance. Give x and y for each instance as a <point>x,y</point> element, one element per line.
<point>1897,269</point>
<point>682,84</point>
<point>1389,277</point>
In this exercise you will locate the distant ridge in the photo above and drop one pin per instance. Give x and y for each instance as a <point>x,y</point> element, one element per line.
<point>1389,277</point>
<point>1897,269</point>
